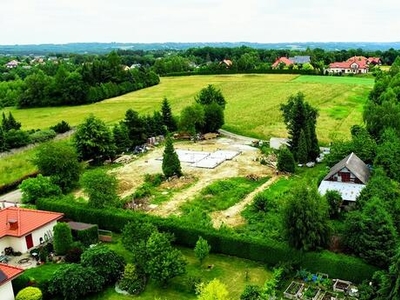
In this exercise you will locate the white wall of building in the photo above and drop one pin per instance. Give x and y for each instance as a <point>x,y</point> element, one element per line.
<point>6,291</point>
<point>39,233</point>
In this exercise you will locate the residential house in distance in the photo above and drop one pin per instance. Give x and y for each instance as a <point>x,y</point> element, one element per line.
<point>12,64</point>
<point>23,229</point>
<point>348,177</point>
<point>8,273</point>
<point>226,62</point>
<point>354,65</point>
<point>291,61</point>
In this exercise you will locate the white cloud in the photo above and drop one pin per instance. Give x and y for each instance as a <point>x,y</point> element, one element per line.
<point>62,21</point>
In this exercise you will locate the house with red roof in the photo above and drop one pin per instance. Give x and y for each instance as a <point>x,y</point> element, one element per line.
<point>23,229</point>
<point>354,65</point>
<point>282,60</point>
<point>8,273</point>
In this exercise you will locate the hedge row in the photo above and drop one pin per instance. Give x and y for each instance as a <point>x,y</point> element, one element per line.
<point>266,251</point>
<point>229,71</point>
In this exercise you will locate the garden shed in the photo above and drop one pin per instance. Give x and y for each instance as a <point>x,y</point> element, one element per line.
<point>84,232</point>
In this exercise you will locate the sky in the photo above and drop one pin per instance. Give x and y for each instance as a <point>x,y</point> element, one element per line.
<point>147,21</point>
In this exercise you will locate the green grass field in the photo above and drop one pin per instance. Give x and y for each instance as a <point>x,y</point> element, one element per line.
<point>252,103</point>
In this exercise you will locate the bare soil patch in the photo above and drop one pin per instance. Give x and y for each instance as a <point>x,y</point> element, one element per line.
<point>131,175</point>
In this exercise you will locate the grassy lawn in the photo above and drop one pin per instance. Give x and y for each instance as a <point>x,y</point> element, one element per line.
<point>252,102</point>
<point>222,194</point>
<point>229,270</point>
<point>16,166</point>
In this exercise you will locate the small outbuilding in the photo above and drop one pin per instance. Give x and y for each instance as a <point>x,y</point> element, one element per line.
<point>8,273</point>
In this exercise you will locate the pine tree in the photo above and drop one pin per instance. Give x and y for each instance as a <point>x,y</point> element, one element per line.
<point>171,165</point>
<point>302,152</point>
<point>286,161</point>
<point>121,137</point>
<point>12,123</point>
<point>168,119</point>
<point>3,145</point>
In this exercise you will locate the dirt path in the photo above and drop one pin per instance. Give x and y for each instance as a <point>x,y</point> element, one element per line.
<point>231,217</point>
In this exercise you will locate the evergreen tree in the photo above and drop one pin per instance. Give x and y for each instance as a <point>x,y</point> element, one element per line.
<point>390,283</point>
<point>167,117</point>
<point>121,137</point>
<point>10,122</point>
<point>3,144</point>
<point>213,117</point>
<point>135,125</point>
<point>202,249</point>
<point>306,219</point>
<point>286,161</point>
<point>302,152</point>
<point>171,165</point>
<point>371,233</point>
<point>209,95</point>
<point>299,116</point>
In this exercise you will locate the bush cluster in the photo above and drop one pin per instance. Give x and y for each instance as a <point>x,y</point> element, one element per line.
<point>267,251</point>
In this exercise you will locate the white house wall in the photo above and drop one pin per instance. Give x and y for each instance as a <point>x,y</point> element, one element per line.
<point>6,291</point>
<point>19,243</point>
<point>39,233</point>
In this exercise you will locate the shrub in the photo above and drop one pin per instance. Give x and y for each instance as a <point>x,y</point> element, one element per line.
<point>17,138</point>
<point>20,282</point>
<point>35,188</point>
<point>41,136</point>
<point>73,281</point>
<point>106,262</point>
<point>267,251</point>
<point>286,161</point>
<point>62,238</point>
<point>61,127</point>
<point>133,280</point>
<point>88,236</point>
<point>74,253</point>
<point>29,293</point>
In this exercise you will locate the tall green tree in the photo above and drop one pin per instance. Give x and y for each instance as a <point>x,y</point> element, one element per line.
<point>93,140</point>
<point>39,187</point>
<point>202,249</point>
<point>135,126</point>
<point>121,137</point>
<point>192,118</point>
<point>371,233</point>
<point>59,161</point>
<point>209,95</point>
<point>388,154</point>
<point>302,153</point>
<point>305,217</point>
<point>389,288</point>
<point>286,161</point>
<point>3,144</point>
<point>9,122</point>
<point>105,261</point>
<point>101,188</point>
<point>334,200</point>
<point>167,117</point>
<point>213,117</point>
<point>62,239</point>
<point>165,262</point>
<point>171,165</point>
<point>299,115</point>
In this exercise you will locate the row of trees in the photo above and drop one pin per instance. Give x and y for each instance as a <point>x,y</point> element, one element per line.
<point>69,84</point>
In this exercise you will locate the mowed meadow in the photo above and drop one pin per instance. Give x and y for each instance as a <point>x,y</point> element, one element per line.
<point>252,109</point>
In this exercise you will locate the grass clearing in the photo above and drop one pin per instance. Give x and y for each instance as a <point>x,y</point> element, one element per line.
<point>229,270</point>
<point>222,194</point>
<point>16,166</point>
<point>252,109</point>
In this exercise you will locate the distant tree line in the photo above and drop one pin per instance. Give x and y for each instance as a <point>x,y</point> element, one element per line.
<point>68,83</point>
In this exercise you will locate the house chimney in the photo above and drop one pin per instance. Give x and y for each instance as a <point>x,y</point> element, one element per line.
<point>13,224</point>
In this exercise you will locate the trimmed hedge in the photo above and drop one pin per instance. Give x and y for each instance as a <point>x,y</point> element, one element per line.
<point>87,236</point>
<point>266,251</point>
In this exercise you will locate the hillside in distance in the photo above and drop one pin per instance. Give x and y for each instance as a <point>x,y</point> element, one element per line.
<point>41,49</point>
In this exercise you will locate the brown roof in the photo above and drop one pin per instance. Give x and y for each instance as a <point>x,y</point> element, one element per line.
<point>79,225</point>
<point>354,164</point>
<point>9,272</point>
<point>27,220</point>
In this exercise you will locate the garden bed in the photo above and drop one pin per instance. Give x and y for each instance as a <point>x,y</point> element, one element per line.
<point>294,290</point>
